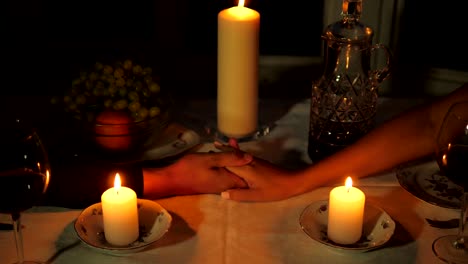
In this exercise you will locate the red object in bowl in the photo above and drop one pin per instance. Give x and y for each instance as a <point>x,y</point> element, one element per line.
<point>112,130</point>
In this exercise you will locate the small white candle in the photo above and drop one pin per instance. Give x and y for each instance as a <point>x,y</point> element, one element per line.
<point>238,52</point>
<point>345,214</point>
<point>120,214</point>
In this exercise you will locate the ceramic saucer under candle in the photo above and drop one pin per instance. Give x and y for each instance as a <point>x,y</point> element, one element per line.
<point>154,222</point>
<point>377,230</point>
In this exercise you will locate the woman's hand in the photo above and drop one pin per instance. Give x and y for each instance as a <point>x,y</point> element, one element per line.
<point>266,182</point>
<point>196,173</point>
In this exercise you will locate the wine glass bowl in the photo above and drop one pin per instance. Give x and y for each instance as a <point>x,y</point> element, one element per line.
<point>24,173</point>
<point>452,157</point>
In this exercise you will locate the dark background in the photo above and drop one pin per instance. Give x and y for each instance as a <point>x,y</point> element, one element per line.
<point>430,36</point>
<point>48,42</point>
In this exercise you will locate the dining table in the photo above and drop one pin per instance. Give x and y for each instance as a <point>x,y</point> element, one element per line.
<point>208,229</point>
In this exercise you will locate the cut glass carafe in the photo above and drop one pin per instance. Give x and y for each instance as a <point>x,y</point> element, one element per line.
<point>344,98</point>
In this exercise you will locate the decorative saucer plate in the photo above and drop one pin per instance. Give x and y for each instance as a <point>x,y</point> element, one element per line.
<point>174,140</point>
<point>425,181</point>
<point>378,227</point>
<point>154,222</point>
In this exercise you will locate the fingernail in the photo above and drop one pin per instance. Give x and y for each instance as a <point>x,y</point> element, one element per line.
<point>247,156</point>
<point>225,195</point>
<point>233,142</point>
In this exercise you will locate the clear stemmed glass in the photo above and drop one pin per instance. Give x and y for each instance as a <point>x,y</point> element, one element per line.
<point>24,174</point>
<point>452,157</point>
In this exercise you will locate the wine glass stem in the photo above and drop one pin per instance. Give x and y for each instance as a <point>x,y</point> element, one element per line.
<point>460,242</point>
<point>18,236</point>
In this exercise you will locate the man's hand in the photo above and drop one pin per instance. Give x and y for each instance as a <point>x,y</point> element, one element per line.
<point>196,173</point>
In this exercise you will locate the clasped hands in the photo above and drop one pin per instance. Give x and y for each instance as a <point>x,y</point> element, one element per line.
<point>231,172</point>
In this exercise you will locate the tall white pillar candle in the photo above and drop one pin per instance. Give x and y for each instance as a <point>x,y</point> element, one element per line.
<point>238,52</point>
<point>120,214</point>
<point>345,214</point>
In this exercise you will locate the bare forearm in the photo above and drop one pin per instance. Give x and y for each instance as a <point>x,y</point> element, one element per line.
<point>409,136</point>
<point>404,138</point>
<point>157,183</point>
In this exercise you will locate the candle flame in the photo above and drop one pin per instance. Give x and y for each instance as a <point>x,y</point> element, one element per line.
<point>349,183</point>
<point>47,179</point>
<point>117,183</point>
<point>241,3</point>
<point>444,159</point>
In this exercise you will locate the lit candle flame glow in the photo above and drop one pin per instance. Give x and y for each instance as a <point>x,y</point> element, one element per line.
<point>117,183</point>
<point>241,3</point>
<point>349,183</point>
<point>47,179</point>
<point>444,159</point>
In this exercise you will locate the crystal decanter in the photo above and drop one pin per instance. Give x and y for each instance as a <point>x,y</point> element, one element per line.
<point>344,98</point>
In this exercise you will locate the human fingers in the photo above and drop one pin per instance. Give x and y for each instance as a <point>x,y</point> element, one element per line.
<point>227,159</point>
<point>233,143</point>
<point>231,147</point>
<point>244,195</point>
<point>247,173</point>
<point>225,147</point>
<point>234,181</point>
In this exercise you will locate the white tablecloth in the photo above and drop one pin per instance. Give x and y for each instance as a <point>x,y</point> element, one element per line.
<point>208,229</point>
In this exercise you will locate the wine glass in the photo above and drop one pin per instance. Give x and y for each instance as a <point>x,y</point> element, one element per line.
<point>24,174</point>
<point>452,157</point>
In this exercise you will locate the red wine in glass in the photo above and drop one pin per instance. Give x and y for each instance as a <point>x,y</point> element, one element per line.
<point>21,188</point>
<point>452,157</point>
<point>24,175</point>
<point>453,163</point>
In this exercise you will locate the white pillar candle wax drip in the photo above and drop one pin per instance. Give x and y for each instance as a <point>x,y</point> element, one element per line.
<point>120,214</point>
<point>238,52</point>
<point>345,214</point>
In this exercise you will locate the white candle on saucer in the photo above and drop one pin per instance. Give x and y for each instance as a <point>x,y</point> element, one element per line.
<point>120,214</point>
<point>345,214</point>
